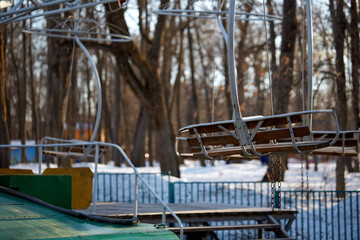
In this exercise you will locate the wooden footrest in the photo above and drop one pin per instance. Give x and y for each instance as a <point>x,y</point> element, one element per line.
<point>221,228</point>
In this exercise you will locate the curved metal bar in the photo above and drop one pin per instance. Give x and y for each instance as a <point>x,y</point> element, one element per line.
<point>203,148</point>
<point>213,14</point>
<point>97,80</point>
<point>292,135</point>
<point>221,26</point>
<point>310,60</point>
<point>47,13</point>
<point>246,153</point>
<point>73,34</point>
<point>97,144</point>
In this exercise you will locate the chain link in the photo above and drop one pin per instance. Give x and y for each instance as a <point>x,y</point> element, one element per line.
<point>279,181</point>
<point>272,183</point>
<point>307,179</point>
<point>302,172</point>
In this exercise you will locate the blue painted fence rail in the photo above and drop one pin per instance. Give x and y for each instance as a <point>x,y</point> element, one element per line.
<point>322,214</point>
<point>119,187</point>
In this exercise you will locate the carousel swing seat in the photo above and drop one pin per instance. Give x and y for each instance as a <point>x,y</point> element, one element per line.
<point>284,133</point>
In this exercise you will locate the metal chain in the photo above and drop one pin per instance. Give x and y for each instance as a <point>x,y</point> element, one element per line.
<point>272,182</point>
<point>302,172</point>
<point>279,181</point>
<point>307,179</point>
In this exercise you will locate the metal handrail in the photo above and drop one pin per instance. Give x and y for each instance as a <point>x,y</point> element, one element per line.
<point>72,143</point>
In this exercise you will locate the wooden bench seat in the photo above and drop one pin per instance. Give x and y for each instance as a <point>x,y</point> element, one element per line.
<point>347,144</point>
<point>337,151</point>
<point>74,152</point>
<point>278,148</point>
<point>66,154</point>
<point>277,134</point>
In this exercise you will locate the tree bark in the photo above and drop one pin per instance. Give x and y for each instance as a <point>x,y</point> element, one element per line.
<point>138,152</point>
<point>150,93</point>
<point>4,135</point>
<point>193,105</point>
<point>339,26</point>
<point>242,66</point>
<point>283,81</point>
<point>22,98</point>
<point>355,61</point>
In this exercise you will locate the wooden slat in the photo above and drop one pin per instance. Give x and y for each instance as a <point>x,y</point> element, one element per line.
<point>348,135</point>
<point>211,128</point>
<point>266,136</point>
<point>274,121</point>
<point>222,228</point>
<point>66,154</point>
<point>261,137</point>
<point>213,140</point>
<point>337,151</point>
<point>347,143</point>
<point>266,148</point>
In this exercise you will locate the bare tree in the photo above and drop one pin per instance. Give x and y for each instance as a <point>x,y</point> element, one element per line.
<point>150,91</point>
<point>355,65</point>
<point>4,135</point>
<point>339,26</point>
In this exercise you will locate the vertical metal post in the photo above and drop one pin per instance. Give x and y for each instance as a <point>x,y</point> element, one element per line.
<point>136,196</point>
<point>232,74</point>
<point>171,192</point>
<point>163,218</point>
<point>40,158</point>
<point>95,176</point>
<point>310,62</point>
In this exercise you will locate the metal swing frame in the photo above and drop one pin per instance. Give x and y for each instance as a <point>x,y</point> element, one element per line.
<point>19,13</point>
<point>92,146</point>
<point>241,131</point>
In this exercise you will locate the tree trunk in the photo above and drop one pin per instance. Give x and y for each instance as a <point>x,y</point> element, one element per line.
<point>34,109</point>
<point>22,99</point>
<point>206,76</point>
<point>193,105</point>
<point>4,135</point>
<point>150,90</point>
<point>283,81</point>
<point>355,61</point>
<point>138,152</point>
<point>116,117</point>
<point>242,66</point>
<point>339,26</point>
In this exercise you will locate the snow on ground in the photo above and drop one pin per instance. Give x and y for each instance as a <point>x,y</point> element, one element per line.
<point>191,171</point>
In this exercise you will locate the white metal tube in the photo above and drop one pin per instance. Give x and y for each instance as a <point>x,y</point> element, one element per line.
<point>310,61</point>
<point>95,176</point>
<point>98,87</point>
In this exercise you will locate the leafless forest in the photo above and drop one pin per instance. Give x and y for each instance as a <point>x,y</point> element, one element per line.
<point>174,73</point>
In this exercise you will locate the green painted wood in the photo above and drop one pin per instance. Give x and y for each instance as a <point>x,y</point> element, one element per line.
<point>54,189</point>
<point>22,219</point>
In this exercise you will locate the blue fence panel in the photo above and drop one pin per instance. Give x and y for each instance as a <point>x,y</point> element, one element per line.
<point>321,214</point>
<point>252,194</point>
<point>120,187</point>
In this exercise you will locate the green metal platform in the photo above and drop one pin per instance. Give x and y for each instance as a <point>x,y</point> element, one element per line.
<point>23,219</point>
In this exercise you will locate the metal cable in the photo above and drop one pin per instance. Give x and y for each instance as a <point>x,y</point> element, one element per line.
<point>68,89</point>
<point>268,62</point>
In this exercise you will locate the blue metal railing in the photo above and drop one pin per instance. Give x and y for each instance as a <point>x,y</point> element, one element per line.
<point>118,187</point>
<point>321,214</point>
